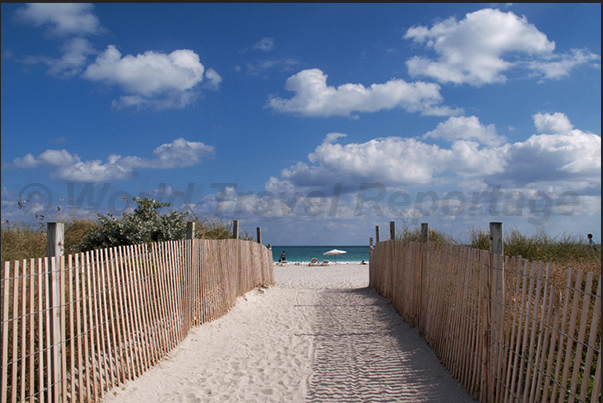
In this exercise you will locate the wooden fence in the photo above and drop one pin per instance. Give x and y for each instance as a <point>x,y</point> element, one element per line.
<point>504,330</point>
<point>76,326</point>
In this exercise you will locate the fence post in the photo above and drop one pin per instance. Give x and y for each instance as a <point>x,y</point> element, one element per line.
<point>235,229</point>
<point>55,235</point>
<point>370,243</point>
<point>424,266</point>
<point>392,230</point>
<point>497,295</point>
<point>424,232</point>
<point>376,234</point>
<point>190,230</point>
<point>259,234</point>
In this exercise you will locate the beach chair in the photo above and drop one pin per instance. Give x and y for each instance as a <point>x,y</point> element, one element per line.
<point>325,263</point>
<point>314,261</point>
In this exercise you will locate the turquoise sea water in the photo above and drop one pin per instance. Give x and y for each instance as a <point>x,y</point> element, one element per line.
<point>304,254</point>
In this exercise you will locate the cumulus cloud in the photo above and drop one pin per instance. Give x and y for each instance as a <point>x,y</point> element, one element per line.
<point>482,47</point>
<point>552,123</point>
<point>563,158</point>
<point>392,161</point>
<point>152,78</point>
<point>560,154</point>
<point>314,98</point>
<point>466,128</point>
<point>70,167</point>
<point>61,18</point>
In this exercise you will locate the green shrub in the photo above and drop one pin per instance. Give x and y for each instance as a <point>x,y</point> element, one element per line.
<point>143,225</point>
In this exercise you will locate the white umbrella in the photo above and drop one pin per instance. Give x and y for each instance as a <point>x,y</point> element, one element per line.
<point>335,252</point>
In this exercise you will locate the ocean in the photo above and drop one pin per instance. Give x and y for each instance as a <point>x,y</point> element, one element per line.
<point>304,254</point>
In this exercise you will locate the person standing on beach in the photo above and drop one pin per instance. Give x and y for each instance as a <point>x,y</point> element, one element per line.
<point>591,243</point>
<point>283,257</point>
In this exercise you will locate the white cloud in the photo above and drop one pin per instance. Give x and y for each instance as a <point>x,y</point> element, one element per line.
<point>158,79</point>
<point>565,159</point>
<point>153,79</point>
<point>259,67</point>
<point>61,18</point>
<point>70,167</point>
<point>482,47</point>
<point>214,79</point>
<point>149,73</point>
<point>466,128</point>
<point>314,98</point>
<point>75,55</point>
<point>265,44</point>
<point>564,155</point>
<point>559,66</point>
<point>552,123</point>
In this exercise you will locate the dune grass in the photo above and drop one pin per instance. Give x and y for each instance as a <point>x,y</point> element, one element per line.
<point>23,241</point>
<point>562,252</point>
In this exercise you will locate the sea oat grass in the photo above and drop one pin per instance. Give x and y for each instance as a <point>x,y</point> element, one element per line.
<point>24,242</point>
<point>414,235</point>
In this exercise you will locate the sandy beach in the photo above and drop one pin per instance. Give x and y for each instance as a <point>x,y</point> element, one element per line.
<point>319,335</point>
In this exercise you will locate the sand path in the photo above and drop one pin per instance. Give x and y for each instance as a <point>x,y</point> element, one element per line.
<point>318,335</point>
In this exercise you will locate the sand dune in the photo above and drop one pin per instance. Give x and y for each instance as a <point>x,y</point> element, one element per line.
<point>318,335</point>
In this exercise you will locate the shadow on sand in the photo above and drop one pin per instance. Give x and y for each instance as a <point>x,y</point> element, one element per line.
<point>365,352</point>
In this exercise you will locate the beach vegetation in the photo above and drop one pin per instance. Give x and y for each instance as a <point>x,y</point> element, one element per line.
<point>143,225</point>
<point>407,234</point>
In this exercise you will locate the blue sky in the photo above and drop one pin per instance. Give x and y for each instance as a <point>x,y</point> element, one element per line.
<point>314,121</point>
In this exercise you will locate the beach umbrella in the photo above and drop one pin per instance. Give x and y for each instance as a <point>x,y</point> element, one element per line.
<point>335,252</point>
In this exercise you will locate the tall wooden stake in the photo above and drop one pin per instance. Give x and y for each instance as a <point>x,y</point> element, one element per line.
<point>55,235</point>
<point>424,267</point>
<point>190,230</point>
<point>497,295</point>
<point>235,229</point>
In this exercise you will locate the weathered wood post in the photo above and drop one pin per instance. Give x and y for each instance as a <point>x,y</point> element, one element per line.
<point>423,268</point>
<point>376,234</point>
<point>189,252</point>
<point>190,230</point>
<point>424,232</point>
<point>497,295</point>
<point>235,229</point>
<point>259,234</point>
<point>55,248</point>
<point>392,267</point>
<point>370,261</point>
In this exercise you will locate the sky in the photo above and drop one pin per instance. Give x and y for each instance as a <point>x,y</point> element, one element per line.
<point>315,122</point>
